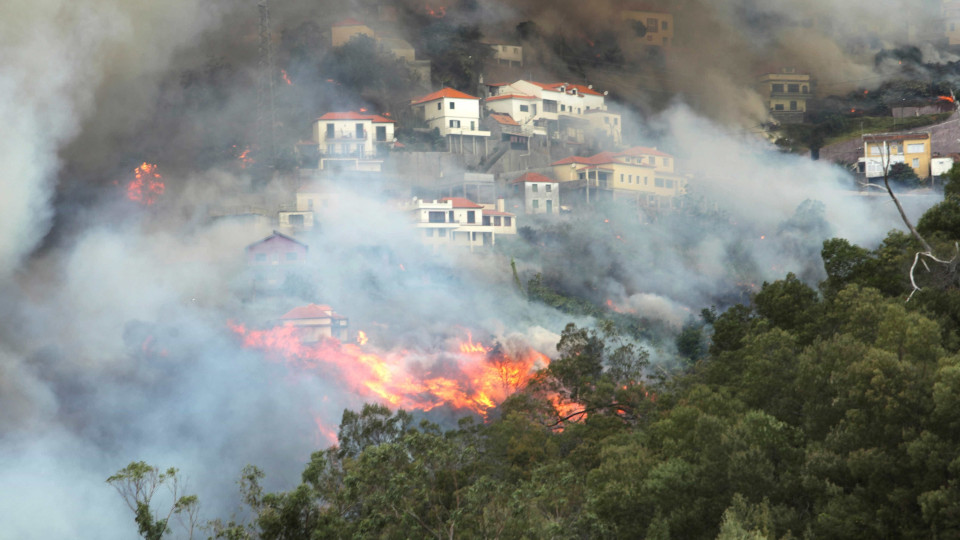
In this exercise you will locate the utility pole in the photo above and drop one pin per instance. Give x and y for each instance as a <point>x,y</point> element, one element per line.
<point>266,114</point>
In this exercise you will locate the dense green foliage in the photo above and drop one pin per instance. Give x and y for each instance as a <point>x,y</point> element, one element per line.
<point>805,413</point>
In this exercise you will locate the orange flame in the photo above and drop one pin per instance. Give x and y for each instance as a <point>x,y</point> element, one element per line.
<point>470,347</point>
<point>286,78</point>
<point>244,157</point>
<point>465,381</point>
<point>147,185</point>
<point>946,98</point>
<point>438,13</point>
<point>362,338</point>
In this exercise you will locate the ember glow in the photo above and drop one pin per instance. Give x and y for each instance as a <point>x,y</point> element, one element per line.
<point>476,381</point>
<point>362,338</point>
<point>244,158</point>
<point>147,185</point>
<point>438,13</point>
<point>286,78</point>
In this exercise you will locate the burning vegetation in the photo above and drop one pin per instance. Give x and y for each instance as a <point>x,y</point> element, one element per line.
<point>147,185</point>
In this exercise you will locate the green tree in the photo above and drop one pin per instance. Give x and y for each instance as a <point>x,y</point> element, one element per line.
<point>137,483</point>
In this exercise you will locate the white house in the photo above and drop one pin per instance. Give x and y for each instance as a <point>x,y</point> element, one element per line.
<point>460,222</point>
<point>506,53</point>
<point>454,114</point>
<point>315,322</point>
<point>540,194</point>
<point>353,140</point>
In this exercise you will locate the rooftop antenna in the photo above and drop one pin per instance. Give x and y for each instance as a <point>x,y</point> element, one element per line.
<point>266,113</point>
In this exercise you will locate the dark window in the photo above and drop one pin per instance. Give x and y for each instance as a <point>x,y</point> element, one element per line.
<point>471,217</point>
<point>330,131</point>
<point>549,207</point>
<point>381,133</point>
<point>486,220</point>
<point>359,131</point>
<point>563,107</point>
<point>435,217</point>
<point>778,88</point>
<point>524,108</point>
<point>793,105</point>
<point>663,25</point>
<point>506,222</point>
<point>658,182</point>
<point>794,88</point>
<point>549,188</point>
<point>549,105</point>
<point>454,123</point>
<point>453,105</point>
<point>778,107</point>
<point>451,217</point>
<point>534,188</point>
<point>439,105</point>
<point>497,220</point>
<point>536,203</point>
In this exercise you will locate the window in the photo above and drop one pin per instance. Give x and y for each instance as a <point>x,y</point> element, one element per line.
<point>778,107</point>
<point>777,88</point>
<point>473,126</point>
<point>621,178</point>
<point>486,220</point>
<point>439,105</point>
<point>549,106</point>
<point>454,123</point>
<point>453,105</point>
<point>915,148</point>
<point>804,89</point>
<point>658,182</point>
<point>630,179</point>
<point>671,184</point>
<point>506,221</point>
<point>563,107</point>
<point>474,237</point>
<point>793,105</point>
<point>471,217</point>
<point>549,188</point>
<point>330,131</point>
<point>451,217</point>
<point>524,108</point>
<point>291,255</point>
<point>359,131</point>
<point>261,257</point>
<point>497,220</point>
<point>536,204</point>
<point>653,25</point>
<point>435,217</point>
<point>793,88</point>
<point>534,188</point>
<point>664,25</point>
<point>381,133</point>
<point>916,163</point>
<point>549,207</point>
<point>428,232</point>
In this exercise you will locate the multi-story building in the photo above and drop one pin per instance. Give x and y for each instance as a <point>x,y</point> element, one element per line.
<point>881,151</point>
<point>950,9</point>
<point>353,140</point>
<point>650,26</point>
<point>785,93</point>
<point>345,30</point>
<point>460,222</point>
<point>646,173</point>
<point>455,115</point>
<point>274,259</point>
<point>316,322</point>
<point>540,194</point>
<point>508,53</point>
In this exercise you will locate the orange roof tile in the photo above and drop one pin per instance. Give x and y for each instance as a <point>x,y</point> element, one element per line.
<point>555,87</point>
<point>460,202</point>
<point>504,119</point>
<point>532,177</point>
<point>444,93</point>
<point>351,115</point>
<point>312,311</point>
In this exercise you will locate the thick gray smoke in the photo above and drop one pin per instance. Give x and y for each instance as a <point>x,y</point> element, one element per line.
<point>114,337</point>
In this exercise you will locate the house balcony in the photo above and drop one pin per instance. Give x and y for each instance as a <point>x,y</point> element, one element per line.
<point>791,95</point>
<point>346,136</point>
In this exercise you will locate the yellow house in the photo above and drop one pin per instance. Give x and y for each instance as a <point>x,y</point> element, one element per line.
<point>646,172</point>
<point>886,149</point>
<point>344,30</point>
<point>786,93</point>
<point>652,27</point>
<point>951,21</point>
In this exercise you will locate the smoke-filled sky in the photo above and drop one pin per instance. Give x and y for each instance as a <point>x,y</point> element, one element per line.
<point>114,342</point>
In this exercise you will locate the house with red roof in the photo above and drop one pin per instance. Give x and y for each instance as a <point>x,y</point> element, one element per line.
<point>316,322</point>
<point>460,222</point>
<point>456,115</point>
<point>539,194</point>
<point>351,140</point>
<point>273,259</point>
<point>648,174</point>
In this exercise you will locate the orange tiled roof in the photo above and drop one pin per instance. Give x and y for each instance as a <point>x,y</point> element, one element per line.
<point>533,177</point>
<point>555,87</point>
<point>444,93</point>
<point>460,202</point>
<point>351,115</point>
<point>510,96</point>
<point>504,119</point>
<point>312,311</point>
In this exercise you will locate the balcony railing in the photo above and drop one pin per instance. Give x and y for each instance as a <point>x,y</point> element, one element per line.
<point>344,135</point>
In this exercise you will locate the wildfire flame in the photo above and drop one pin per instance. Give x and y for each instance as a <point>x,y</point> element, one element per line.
<point>244,157</point>
<point>470,347</point>
<point>438,13</point>
<point>286,78</point>
<point>946,98</point>
<point>147,185</point>
<point>466,381</point>
<point>362,338</point>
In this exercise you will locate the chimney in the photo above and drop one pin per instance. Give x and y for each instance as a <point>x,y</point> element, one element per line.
<point>501,206</point>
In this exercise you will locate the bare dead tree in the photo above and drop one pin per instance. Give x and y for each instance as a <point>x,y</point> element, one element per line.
<point>920,257</point>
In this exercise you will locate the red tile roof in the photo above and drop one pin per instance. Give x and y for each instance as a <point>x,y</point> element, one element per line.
<point>348,22</point>
<point>312,311</point>
<point>351,115</point>
<point>504,119</point>
<point>555,87</point>
<point>280,235</point>
<point>510,96</point>
<point>460,202</point>
<point>444,93</point>
<point>533,177</point>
